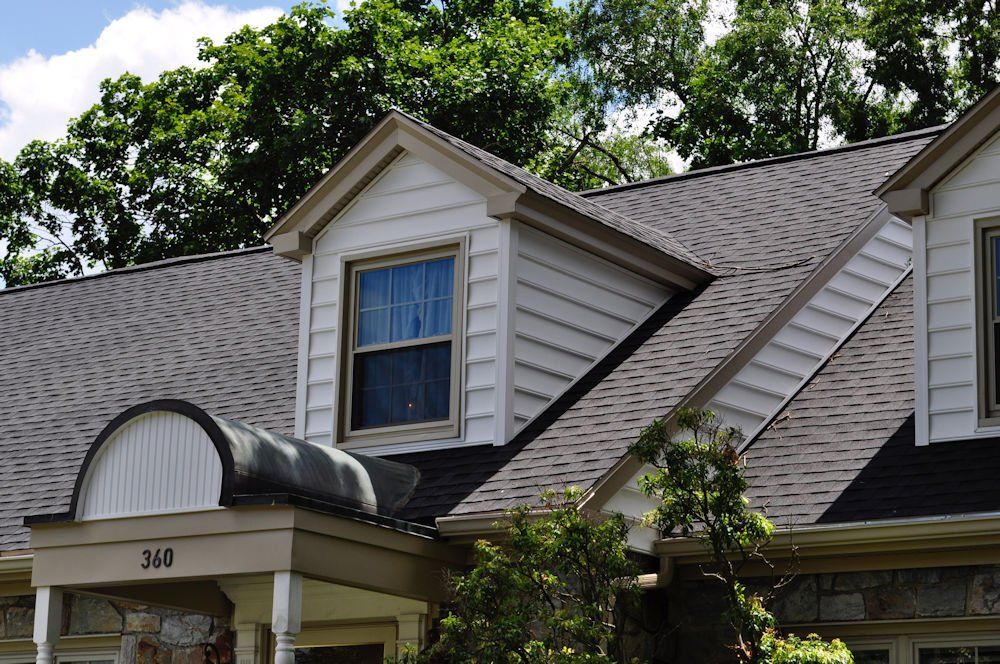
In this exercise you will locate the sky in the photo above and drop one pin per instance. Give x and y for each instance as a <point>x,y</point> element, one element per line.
<point>54,53</point>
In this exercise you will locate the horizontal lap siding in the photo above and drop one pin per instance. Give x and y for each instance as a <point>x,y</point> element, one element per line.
<point>571,309</point>
<point>947,350</point>
<point>411,202</point>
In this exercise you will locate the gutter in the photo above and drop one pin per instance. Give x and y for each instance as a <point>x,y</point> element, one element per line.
<point>962,533</point>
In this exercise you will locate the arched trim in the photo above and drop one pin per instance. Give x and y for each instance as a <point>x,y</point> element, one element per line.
<point>189,410</point>
<point>260,466</point>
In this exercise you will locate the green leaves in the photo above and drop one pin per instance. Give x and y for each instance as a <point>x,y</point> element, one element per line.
<point>551,592</point>
<point>700,485</point>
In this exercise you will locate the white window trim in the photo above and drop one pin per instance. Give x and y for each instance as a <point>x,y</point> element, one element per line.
<point>351,266</point>
<point>905,648</point>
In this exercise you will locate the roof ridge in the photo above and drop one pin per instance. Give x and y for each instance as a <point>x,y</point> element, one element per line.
<point>743,165</point>
<point>142,267</point>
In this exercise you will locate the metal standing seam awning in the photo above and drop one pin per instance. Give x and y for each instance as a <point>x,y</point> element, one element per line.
<point>226,499</point>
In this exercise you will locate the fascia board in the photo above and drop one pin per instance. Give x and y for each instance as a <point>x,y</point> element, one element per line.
<point>596,238</point>
<point>862,537</point>
<point>940,157</point>
<point>367,159</point>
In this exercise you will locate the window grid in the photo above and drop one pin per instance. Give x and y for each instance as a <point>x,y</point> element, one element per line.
<point>401,377</point>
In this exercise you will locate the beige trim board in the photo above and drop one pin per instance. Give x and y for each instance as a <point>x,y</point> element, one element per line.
<point>970,540</point>
<point>66,642</point>
<point>240,541</point>
<point>910,627</point>
<point>626,468</point>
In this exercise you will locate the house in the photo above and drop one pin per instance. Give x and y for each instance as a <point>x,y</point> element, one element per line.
<point>278,452</point>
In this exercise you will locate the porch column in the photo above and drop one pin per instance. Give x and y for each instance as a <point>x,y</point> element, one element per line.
<point>48,620</point>
<point>286,615</point>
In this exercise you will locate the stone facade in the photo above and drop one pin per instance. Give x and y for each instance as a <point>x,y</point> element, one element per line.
<point>149,635</point>
<point>945,592</point>
<point>697,630</point>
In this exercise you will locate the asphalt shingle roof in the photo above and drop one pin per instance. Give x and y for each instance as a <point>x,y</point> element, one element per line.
<point>764,227</point>
<point>222,332</point>
<point>219,332</point>
<point>843,450</point>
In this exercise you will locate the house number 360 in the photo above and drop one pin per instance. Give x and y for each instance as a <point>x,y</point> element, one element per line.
<point>157,558</point>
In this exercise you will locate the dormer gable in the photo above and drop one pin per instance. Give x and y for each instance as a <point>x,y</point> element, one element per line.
<point>950,192</point>
<point>448,297</point>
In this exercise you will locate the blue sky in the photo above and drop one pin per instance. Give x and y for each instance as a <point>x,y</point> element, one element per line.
<point>56,26</point>
<point>54,53</point>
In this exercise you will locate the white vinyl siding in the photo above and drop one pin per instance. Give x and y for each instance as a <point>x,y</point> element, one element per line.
<point>946,347</point>
<point>185,471</point>
<point>570,309</point>
<point>776,373</point>
<point>410,204</point>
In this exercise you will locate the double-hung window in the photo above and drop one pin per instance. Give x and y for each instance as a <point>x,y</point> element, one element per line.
<point>989,322</point>
<point>402,361</point>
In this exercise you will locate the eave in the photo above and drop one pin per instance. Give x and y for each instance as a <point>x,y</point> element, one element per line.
<point>507,198</point>
<point>907,191</point>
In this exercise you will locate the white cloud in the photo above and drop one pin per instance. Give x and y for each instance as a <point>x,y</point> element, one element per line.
<point>38,94</point>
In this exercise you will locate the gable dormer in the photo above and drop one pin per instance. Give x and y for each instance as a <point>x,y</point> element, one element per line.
<point>950,192</point>
<point>448,297</point>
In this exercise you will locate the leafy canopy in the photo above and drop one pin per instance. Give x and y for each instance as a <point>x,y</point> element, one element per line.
<point>549,593</point>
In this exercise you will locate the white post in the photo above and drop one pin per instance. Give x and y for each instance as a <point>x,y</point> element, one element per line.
<point>48,620</point>
<point>286,615</point>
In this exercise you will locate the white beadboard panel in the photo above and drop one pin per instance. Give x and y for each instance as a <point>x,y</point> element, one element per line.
<point>758,392</point>
<point>570,309</point>
<point>946,358</point>
<point>189,469</point>
<point>411,203</point>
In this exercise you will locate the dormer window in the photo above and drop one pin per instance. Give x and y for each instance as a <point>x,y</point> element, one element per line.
<point>989,322</point>
<point>402,363</point>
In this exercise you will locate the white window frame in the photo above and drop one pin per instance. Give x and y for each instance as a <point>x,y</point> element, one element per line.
<point>989,392</point>
<point>349,437</point>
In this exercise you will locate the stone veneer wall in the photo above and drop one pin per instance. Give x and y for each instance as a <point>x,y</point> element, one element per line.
<point>150,635</point>
<point>697,633</point>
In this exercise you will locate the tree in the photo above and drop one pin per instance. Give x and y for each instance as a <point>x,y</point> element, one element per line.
<point>551,593</point>
<point>699,485</point>
<point>205,159</point>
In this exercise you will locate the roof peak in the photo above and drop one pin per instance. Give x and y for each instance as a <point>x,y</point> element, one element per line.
<point>141,267</point>
<point>744,165</point>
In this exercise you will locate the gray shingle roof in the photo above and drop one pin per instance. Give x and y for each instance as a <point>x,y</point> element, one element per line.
<point>765,228</point>
<point>222,332</point>
<point>219,332</point>
<point>843,450</point>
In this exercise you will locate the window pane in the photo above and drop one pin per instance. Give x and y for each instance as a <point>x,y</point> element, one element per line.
<point>996,275</point>
<point>440,278</point>
<point>408,283</point>
<point>373,327</point>
<point>368,654</point>
<point>876,656</point>
<point>406,302</point>
<point>374,288</point>
<point>406,322</point>
<point>947,656</point>
<point>989,655</point>
<point>402,385</point>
